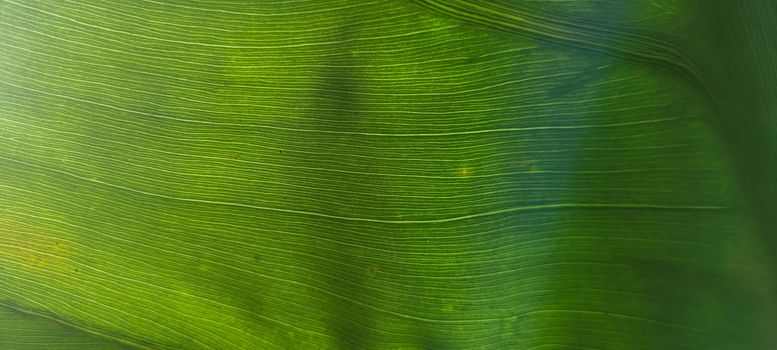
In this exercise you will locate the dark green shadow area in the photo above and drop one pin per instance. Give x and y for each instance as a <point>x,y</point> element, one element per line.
<point>20,330</point>
<point>735,43</point>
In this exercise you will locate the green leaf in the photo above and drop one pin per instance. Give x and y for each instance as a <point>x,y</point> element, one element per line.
<point>432,174</point>
<point>26,331</point>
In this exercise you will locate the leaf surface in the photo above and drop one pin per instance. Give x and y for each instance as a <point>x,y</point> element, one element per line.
<point>433,174</point>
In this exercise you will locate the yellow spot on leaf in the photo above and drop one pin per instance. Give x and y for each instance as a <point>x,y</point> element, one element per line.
<point>61,248</point>
<point>36,262</point>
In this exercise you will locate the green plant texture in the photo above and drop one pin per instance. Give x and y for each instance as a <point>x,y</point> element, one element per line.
<point>392,174</point>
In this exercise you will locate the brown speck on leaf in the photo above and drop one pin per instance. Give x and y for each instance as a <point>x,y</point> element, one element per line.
<point>372,271</point>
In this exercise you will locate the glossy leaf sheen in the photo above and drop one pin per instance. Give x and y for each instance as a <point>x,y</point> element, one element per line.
<point>432,174</point>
